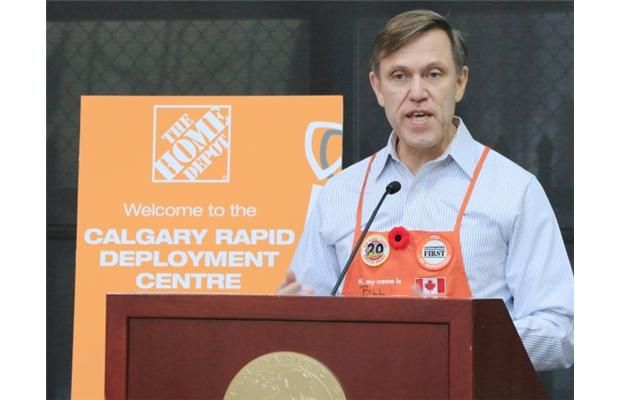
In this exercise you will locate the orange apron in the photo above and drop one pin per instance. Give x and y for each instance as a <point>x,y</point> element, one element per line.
<point>410,263</point>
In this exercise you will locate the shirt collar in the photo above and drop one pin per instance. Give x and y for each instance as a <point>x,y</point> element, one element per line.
<point>462,149</point>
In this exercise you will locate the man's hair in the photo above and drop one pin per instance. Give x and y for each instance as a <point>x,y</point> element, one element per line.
<point>405,26</point>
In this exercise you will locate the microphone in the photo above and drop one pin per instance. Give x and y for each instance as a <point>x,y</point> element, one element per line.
<point>391,188</point>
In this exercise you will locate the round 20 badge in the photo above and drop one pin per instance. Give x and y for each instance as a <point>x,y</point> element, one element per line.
<point>375,250</point>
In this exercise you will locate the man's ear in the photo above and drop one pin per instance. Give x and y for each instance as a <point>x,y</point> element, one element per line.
<point>461,83</point>
<point>375,82</point>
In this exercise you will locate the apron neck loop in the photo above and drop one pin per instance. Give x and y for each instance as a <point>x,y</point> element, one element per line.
<point>459,219</point>
<point>470,188</point>
<point>358,219</point>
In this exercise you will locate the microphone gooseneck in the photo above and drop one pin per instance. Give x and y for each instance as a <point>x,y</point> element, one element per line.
<point>391,188</point>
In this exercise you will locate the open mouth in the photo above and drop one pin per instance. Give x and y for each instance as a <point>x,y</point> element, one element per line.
<point>418,116</point>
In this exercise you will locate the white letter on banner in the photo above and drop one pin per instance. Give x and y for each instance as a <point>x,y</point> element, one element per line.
<point>88,238</point>
<point>145,236</point>
<point>140,281</point>
<point>191,173</point>
<point>187,155</point>
<point>215,280</point>
<point>177,258</point>
<point>224,236</point>
<point>168,166</point>
<point>143,257</point>
<point>108,258</point>
<point>233,281</point>
<point>213,120</point>
<point>285,237</point>
<point>205,132</point>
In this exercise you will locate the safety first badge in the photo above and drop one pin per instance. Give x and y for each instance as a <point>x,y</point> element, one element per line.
<point>435,253</point>
<point>375,250</point>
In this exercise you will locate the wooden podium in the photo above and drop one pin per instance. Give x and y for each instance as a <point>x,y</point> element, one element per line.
<point>192,346</point>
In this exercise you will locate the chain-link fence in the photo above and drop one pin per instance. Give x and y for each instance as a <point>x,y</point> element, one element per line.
<point>519,99</point>
<point>213,57</point>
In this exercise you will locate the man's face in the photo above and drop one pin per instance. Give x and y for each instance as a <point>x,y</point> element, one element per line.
<point>419,87</point>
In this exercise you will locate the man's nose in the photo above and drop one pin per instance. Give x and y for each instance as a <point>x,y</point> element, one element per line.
<point>417,89</point>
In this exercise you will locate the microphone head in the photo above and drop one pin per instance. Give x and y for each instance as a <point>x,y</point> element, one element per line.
<point>392,187</point>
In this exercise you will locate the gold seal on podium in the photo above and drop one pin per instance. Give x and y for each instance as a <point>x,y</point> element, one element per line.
<point>284,375</point>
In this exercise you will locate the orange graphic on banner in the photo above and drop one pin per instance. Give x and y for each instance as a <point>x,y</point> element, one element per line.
<point>191,195</point>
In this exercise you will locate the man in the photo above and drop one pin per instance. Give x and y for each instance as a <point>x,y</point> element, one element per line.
<point>466,223</point>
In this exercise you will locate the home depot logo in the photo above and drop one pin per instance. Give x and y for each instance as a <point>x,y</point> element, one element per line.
<point>191,143</point>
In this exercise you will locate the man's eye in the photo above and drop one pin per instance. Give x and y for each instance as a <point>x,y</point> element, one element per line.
<point>399,76</point>
<point>434,74</point>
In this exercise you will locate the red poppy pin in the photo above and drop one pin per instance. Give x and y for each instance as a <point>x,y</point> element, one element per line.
<point>398,238</point>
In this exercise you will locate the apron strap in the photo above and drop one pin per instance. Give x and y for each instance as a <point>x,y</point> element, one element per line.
<point>358,219</point>
<point>470,189</point>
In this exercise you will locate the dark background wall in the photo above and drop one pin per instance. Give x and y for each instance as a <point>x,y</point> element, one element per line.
<point>519,99</point>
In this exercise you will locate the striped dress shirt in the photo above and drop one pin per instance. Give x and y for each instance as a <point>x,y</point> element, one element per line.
<point>511,242</point>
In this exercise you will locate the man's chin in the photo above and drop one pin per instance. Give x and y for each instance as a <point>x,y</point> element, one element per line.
<point>420,141</point>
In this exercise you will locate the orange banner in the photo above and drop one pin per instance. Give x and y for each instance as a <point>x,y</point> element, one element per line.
<point>191,195</point>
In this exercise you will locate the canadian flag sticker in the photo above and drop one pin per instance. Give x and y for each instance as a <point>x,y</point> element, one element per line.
<point>431,286</point>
